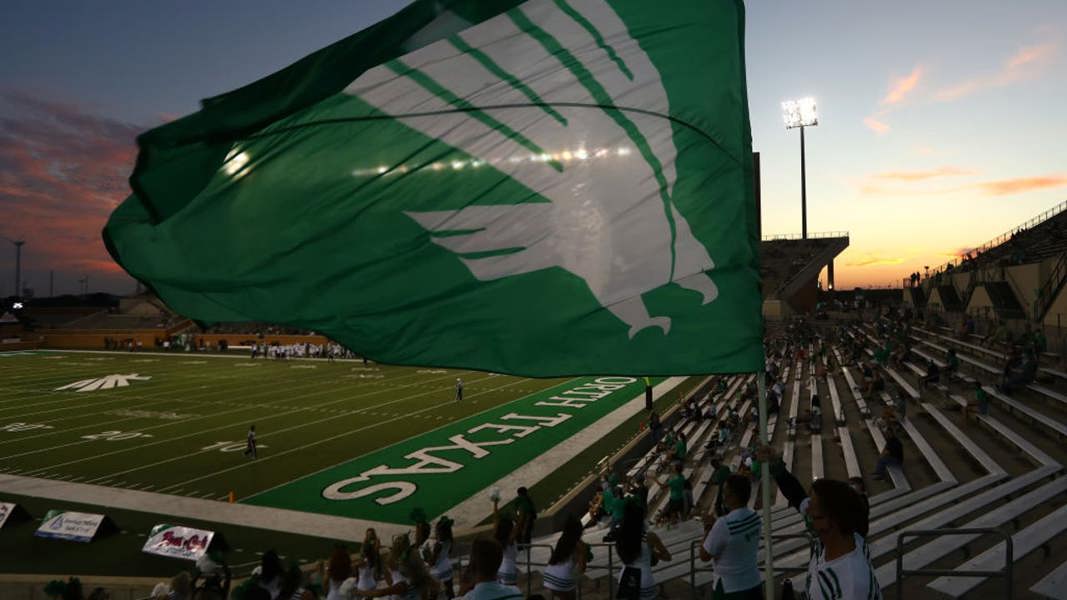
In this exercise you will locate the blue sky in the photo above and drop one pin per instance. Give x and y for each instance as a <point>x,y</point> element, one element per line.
<point>941,123</point>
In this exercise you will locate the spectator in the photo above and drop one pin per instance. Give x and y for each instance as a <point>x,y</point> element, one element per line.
<point>982,398</point>
<point>676,497</point>
<point>568,559</point>
<point>212,579</point>
<point>639,551</point>
<point>505,532</point>
<point>952,366</point>
<point>526,513</point>
<point>370,564</point>
<point>1022,376</point>
<point>181,586</point>
<point>411,579</point>
<point>680,448</point>
<point>933,374</point>
<point>338,572</point>
<point>892,455</point>
<point>485,563</point>
<point>655,427</point>
<point>436,552</point>
<point>733,541</point>
<point>835,514</point>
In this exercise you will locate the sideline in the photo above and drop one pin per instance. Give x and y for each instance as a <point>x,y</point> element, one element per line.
<point>472,511</point>
<point>247,515</point>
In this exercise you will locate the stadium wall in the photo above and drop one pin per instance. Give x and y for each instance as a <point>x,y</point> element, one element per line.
<point>94,340</point>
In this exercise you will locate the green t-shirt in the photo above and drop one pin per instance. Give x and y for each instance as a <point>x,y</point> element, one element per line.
<point>677,485</point>
<point>680,449</point>
<point>720,475</point>
<point>525,505</point>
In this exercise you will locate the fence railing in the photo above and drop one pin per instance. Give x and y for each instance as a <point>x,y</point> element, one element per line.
<point>1006,572</point>
<point>1000,239</point>
<point>811,236</point>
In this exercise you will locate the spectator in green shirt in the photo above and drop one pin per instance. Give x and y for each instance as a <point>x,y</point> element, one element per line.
<point>680,449</point>
<point>526,513</point>
<point>676,495</point>
<point>982,398</point>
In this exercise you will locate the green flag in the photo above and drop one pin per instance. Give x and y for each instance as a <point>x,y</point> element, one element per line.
<point>549,187</point>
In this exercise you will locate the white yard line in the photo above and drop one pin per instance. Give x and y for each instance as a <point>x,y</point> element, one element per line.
<point>340,435</point>
<point>429,431</point>
<point>211,416</point>
<point>162,392</point>
<point>234,425</point>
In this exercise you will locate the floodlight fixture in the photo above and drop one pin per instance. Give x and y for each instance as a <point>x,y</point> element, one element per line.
<point>800,113</point>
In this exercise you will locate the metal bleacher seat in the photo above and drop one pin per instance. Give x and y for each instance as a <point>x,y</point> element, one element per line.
<point>1025,541</point>
<point>852,464</point>
<point>1052,425</point>
<point>941,546</point>
<point>817,471</point>
<point>1053,585</point>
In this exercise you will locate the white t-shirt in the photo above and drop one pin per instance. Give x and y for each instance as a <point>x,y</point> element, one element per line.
<point>844,578</point>
<point>493,591</point>
<point>734,542</point>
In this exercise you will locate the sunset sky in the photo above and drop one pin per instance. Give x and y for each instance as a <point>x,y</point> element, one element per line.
<point>941,123</point>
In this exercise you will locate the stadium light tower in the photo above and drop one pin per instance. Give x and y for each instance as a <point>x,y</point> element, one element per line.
<point>801,113</point>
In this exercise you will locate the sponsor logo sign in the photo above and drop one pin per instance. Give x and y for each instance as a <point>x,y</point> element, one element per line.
<point>6,509</point>
<point>104,383</point>
<point>73,526</point>
<point>178,542</point>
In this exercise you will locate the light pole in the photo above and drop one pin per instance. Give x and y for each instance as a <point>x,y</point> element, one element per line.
<point>18,267</point>
<point>801,113</point>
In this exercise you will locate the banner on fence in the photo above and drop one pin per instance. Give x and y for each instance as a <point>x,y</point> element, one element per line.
<point>73,526</point>
<point>178,542</point>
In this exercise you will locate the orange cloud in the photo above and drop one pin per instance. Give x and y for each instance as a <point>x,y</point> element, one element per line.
<point>1003,187</point>
<point>902,86</point>
<point>1025,64</point>
<point>875,125</point>
<point>874,261</point>
<point>1031,54</point>
<point>922,175</point>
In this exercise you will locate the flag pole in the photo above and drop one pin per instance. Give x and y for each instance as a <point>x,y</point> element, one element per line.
<point>765,486</point>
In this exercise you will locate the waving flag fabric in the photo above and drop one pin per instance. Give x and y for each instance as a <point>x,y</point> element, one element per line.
<point>549,187</point>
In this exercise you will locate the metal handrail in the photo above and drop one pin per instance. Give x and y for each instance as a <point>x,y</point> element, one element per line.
<point>530,563</point>
<point>800,236</point>
<point>1000,239</point>
<point>1052,284</point>
<point>1006,572</point>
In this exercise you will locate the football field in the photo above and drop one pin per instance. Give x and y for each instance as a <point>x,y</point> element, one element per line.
<point>177,424</point>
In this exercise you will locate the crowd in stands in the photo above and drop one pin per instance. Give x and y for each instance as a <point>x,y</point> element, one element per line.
<point>419,566</point>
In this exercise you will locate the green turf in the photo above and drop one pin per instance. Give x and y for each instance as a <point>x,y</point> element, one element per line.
<point>307,418</point>
<point>440,472</point>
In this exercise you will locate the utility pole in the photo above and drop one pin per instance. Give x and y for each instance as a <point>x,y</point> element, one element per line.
<point>18,267</point>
